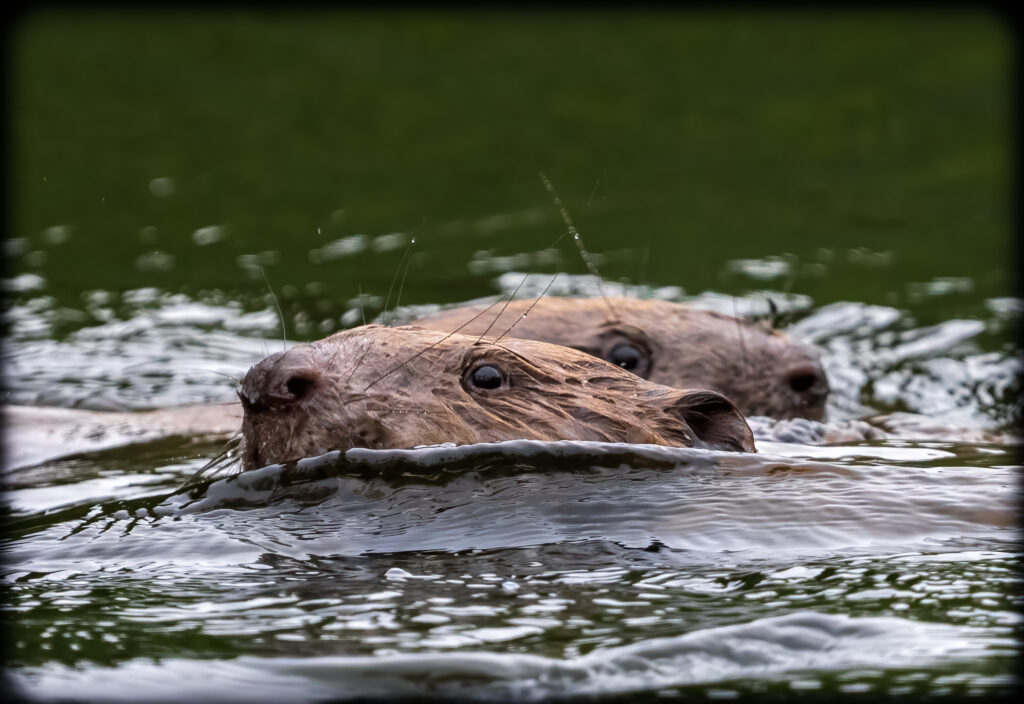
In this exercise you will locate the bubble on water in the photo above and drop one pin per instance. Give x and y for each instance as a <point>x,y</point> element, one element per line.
<point>805,684</point>
<point>939,286</point>
<point>721,693</point>
<point>24,282</point>
<point>767,268</point>
<point>253,264</point>
<point>155,261</point>
<point>386,243</point>
<point>397,574</point>
<point>336,249</point>
<point>208,235</point>
<point>351,317</point>
<point>149,234</point>
<point>1007,306</point>
<point>866,257</point>
<point>485,262</point>
<point>162,186</point>
<point>15,246</point>
<point>56,234</point>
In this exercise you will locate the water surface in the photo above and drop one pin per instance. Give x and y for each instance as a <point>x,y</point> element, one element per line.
<point>852,169</point>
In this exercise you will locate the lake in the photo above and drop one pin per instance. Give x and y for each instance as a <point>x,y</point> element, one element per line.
<point>191,191</point>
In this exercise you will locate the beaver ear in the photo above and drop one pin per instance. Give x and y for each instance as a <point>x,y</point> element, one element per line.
<point>715,421</point>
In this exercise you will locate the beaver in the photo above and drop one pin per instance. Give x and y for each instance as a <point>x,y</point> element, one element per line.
<point>667,343</point>
<point>396,387</point>
<point>764,372</point>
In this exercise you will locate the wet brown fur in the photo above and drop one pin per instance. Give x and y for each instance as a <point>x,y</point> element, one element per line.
<point>686,347</point>
<point>338,393</point>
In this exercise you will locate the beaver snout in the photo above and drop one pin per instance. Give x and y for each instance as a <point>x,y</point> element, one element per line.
<point>279,381</point>
<point>808,382</point>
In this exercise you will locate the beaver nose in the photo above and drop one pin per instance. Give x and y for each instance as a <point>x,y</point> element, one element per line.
<point>278,381</point>
<point>808,381</point>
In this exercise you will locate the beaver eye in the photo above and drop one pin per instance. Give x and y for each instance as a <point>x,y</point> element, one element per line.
<point>486,376</point>
<point>626,356</point>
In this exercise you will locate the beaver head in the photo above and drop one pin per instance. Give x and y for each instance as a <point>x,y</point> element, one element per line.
<point>381,387</point>
<point>765,372</point>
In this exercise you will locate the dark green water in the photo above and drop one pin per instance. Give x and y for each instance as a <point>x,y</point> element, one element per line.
<point>855,165</point>
<point>678,141</point>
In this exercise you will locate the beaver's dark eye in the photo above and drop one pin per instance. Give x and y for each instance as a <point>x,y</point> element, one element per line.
<point>626,356</point>
<point>486,376</point>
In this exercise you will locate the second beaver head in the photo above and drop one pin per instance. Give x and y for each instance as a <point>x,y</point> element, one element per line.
<point>764,372</point>
<point>381,387</point>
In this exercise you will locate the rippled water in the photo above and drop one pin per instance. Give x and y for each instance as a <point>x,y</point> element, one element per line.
<point>167,169</point>
<point>518,570</point>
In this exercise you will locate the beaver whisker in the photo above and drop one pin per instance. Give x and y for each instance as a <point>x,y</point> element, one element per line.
<point>512,352</point>
<point>235,379</point>
<point>527,312</point>
<point>512,297</point>
<point>394,278</point>
<point>222,461</point>
<point>578,239</point>
<point>747,366</point>
<point>280,315</point>
<point>583,252</point>
<point>362,314</point>
<point>430,347</point>
<point>351,438</point>
<point>503,308</point>
<point>401,284</point>
<point>358,364</point>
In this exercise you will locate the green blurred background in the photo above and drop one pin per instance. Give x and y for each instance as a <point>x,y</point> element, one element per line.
<point>870,148</point>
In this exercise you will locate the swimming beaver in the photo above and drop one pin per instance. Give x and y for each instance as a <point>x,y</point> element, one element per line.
<point>381,387</point>
<point>764,372</point>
